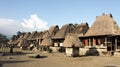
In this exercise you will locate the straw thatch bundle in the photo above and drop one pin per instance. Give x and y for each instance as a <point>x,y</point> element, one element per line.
<point>47,42</point>
<point>104,25</point>
<point>68,28</point>
<point>72,40</point>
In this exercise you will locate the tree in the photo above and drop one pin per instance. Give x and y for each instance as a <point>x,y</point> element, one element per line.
<point>3,38</point>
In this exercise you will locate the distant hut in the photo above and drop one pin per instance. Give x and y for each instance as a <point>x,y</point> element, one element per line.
<point>15,41</point>
<point>51,32</point>
<point>72,44</point>
<point>47,36</point>
<point>101,33</point>
<point>82,28</point>
<point>26,35</point>
<point>48,33</point>
<point>46,43</point>
<point>61,34</point>
<point>32,36</point>
<point>23,43</point>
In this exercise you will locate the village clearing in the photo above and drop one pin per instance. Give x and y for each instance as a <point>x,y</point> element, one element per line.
<point>20,59</point>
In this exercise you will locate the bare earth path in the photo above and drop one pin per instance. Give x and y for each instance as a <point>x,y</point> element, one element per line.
<point>58,60</point>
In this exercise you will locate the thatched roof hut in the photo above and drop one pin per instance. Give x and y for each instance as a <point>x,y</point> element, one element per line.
<point>82,28</point>
<point>40,35</point>
<point>47,42</point>
<point>27,35</point>
<point>16,41</point>
<point>104,25</point>
<point>68,28</point>
<point>33,35</point>
<point>51,32</point>
<point>23,42</point>
<point>72,40</point>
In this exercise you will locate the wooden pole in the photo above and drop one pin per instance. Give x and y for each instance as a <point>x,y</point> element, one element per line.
<point>115,44</point>
<point>94,41</point>
<point>89,42</point>
<point>105,41</point>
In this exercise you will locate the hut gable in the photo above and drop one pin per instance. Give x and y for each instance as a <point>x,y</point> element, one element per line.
<point>40,35</point>
<point>27,35</point>
<point>51,32</point>
<point>68,28</point>
<point>104,25</point>
<point>47,42</point>
<point>72,40</point>
<point>82,28</point>
<point>33,35</point>
<point>16,41</point>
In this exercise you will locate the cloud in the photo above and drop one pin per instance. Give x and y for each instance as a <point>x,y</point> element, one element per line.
<point>9,27</point>
<point>34,22</point>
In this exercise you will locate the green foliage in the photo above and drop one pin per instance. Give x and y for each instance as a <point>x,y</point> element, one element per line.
<point>14,37</point>
<point>3,38</point>
<point>74,25</point>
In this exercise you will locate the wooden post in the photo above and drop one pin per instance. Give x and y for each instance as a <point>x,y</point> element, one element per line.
<point>105,41</point>
<point>89,42</point>
<point>115,44</point>
<point>94,41</point>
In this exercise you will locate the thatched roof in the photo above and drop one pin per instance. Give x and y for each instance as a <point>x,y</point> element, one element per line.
<point>104,25</point>
<point>33,35</point>
<point>40,35</point>
<point>16,41</point>
<point>68,28</point>
<point>47,42</point>
<point>23,42</point>
<point>82,28</point>
<point>27,35</point>
<point>72,40</point>
<point>51,32</point>
<point>118,32</point>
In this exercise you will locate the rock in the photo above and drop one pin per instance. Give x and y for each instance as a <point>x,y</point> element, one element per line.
<point>33,55</point>
<point>9,57</point>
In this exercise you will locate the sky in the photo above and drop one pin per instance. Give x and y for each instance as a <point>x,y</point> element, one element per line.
<point>39,15</point>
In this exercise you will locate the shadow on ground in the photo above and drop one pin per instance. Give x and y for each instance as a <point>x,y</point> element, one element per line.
<point>13,61</point>
<point>110,66</point>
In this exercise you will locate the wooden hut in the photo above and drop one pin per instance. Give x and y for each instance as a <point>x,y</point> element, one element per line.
<point>72,44</point>
<point>32,36</point>
<point>59,38</point>
<point>23,43</point>
<point>81,29</point>
<point>60,35</point>
<point>46,43</point>
<point>101,33</point>
<point>48,34</point>
<point>15,41</point>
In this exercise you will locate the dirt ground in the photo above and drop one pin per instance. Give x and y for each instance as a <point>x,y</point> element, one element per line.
<point>56,60</point>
